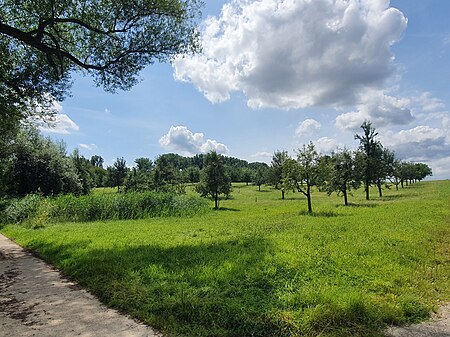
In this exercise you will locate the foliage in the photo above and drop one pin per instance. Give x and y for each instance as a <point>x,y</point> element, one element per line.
<point>343,175</point>
<point>43,42</point>
<point>370,155</point>
<point>38,165</point>
<point>117,173</point>
<point>101,207</point>
<point>214,179</point>
<point>21,209</point>
<point>259,268</point>
<point>308,173</point>
<point>275,175</point>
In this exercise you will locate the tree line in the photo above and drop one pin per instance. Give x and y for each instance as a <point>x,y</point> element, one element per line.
<point>31,163</point>
<point>371,164</point>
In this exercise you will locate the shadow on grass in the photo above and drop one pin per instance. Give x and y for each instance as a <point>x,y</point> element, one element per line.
<point>368,205</point>
<point>204,289</point>
<point>225,288</point>
<point>325,214</point>
<point>226,209</point>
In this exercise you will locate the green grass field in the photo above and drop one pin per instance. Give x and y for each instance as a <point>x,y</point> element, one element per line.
<point>261,266</point>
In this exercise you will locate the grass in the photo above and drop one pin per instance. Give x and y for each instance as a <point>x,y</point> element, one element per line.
<point>261,266</point>
<point>36,211</point>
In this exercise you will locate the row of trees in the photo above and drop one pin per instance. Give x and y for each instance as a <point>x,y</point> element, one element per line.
<point>371,164</point>
<point>33,164</point>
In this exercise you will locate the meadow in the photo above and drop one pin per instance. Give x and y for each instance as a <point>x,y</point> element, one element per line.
<point>262,266</point>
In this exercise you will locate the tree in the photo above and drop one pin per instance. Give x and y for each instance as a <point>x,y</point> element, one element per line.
<point>118,172</point>
<point>81,166</point>
<point>275,175</point>
<point>421,171</point>
<point>246,175</point>
<point>144,164</point>
<point>214,179</point>
<point>39,165</point>
<point>308,159</point>
<point>343,176</point>
<point>260,176</point>
<point>369,148</point>
<point>97,161</point>
<point>43,42</point>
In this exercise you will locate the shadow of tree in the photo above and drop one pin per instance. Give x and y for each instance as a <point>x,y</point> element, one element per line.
<point>325,214</point>
<point>197,289</point>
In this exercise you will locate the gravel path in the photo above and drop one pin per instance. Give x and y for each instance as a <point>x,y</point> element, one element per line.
<point>35,300</point>
<point>438,326</point>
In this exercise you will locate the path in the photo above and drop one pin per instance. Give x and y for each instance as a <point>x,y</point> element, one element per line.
<point>438,326</point>
<point>36,301</point>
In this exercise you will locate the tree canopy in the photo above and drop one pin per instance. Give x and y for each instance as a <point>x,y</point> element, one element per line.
<point>43,42</point>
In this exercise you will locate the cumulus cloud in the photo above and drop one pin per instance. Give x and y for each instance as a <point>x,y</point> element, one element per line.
<point>429,103</point>
<point>60,124</point>
<point>294,54</point>
<point>421,143</point>
<point>380,108</point>
<point>327,145</point>
<point>184,141</point>
<point>307,128</point>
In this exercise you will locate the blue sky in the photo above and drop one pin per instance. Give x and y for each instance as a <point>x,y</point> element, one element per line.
<point>275,74</point>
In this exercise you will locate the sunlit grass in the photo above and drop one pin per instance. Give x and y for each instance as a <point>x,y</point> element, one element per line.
<point>260,266</point>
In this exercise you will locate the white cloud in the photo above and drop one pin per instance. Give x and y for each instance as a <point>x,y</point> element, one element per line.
<point>262,154</point>
<point>293,54</point>
<point>421,143</point>
<point>60,124</point>
<point>428,102</point>
<point>327,145</point>
<point>307,128</point>
<point>182,140</point>
<point>89,147</point>
<point>380,108</point>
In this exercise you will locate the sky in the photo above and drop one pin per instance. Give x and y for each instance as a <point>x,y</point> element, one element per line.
<point>277,74</point>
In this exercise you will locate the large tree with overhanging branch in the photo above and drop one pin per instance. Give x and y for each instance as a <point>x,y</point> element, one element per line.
<point>42,42</point>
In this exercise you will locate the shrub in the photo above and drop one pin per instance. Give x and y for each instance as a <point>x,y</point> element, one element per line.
<point>22,209</point>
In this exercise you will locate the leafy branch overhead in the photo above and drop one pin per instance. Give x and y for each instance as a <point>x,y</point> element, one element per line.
<point>43,42</point>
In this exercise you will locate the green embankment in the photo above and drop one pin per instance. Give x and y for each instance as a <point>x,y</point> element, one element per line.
<point>261,266</point>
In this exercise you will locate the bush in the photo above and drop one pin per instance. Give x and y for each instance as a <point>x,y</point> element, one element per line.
<point>22,209</point>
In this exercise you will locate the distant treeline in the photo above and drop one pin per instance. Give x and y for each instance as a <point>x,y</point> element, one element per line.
<point>31,163</point>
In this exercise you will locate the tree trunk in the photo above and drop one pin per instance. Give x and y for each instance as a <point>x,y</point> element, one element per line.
<point>345,197</point>
<point>259,188</point>
<point>379,190</point>
<point>366,187</point>
<point>308,196</point>
<point>282,194</point>
<point>402,183</point>
<point>216,200</point>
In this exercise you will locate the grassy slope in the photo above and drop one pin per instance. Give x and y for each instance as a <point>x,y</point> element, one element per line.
<point>261,267</point>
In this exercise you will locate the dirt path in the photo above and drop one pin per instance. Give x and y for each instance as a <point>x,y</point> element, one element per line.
<point>438,326</point>
<point>36,301</point>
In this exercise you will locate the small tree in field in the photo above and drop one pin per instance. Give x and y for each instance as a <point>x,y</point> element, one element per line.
<point>302,174</point>
<point>343,176</point>
<point>214,179</point>
<point>275,174</point>
<point>368,156</point>
<point>308,160</point>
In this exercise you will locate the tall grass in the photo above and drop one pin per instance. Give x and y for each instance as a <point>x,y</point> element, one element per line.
<point>35,210</point>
